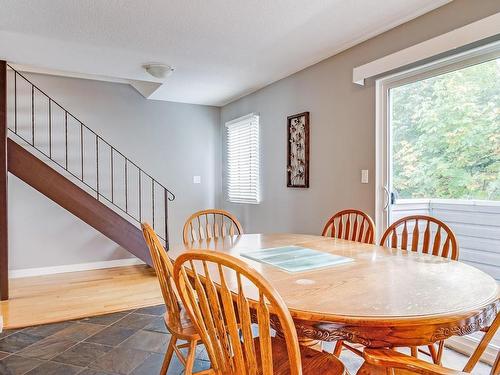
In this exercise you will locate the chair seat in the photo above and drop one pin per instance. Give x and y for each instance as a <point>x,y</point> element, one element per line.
<point>185,330</point>
<point>313,362</point>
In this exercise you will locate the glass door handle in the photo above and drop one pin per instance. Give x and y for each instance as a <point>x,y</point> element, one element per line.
<point>388,197</point>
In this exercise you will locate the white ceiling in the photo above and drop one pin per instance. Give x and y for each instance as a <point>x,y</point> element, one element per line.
<point>221,49</point>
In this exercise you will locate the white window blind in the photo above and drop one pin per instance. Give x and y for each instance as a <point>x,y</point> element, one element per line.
<point>242,145</point>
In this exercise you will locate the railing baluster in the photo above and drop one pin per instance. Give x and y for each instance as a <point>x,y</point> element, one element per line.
<point>66,138</point>
<point>166,218</point>
<point>153,200</point>
<point>32,115</point>
<point>50,128</point>
<point>97,164</point>
<point>126,186</point>
<point>140,196</point>
<point>112,178</point>
<point>81,145</point>
<point>15,102</point>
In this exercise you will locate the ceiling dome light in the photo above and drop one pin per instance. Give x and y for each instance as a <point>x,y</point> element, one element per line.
<point>160,71</point>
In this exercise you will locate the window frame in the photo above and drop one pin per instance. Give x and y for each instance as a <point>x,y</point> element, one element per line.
<point>251,117</point>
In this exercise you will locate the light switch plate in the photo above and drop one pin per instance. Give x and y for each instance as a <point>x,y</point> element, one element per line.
<point>196,179</point>
<point>364,176</point>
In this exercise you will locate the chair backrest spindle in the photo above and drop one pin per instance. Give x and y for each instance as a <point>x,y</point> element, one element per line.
<point>209,224</point>
<point>434,233</point>
<point>353,225</point>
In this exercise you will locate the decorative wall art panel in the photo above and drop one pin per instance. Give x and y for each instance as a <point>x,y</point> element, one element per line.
<point>298,150</point>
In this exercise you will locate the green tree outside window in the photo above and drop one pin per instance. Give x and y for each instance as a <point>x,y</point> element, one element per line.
<point>446,135</point>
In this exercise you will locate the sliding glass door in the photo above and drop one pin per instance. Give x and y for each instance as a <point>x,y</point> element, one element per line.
<point>439,152</point>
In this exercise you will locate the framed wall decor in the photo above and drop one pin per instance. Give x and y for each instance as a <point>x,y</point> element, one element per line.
<point>298,150</point>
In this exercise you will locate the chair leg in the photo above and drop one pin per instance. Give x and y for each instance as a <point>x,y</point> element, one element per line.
<point>190,357</point>
<point>495,369</point>
<point>338,348</point>
<point>352,349</point>
<point>440,352</point>
<point>414,351</point>
<point>489,334</point>
<point>168,355</point>
<point>433,353</point>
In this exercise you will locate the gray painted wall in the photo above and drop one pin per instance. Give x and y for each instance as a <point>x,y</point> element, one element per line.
<point>342,127</point>
<point>171,141</point>
<point>176,141</point>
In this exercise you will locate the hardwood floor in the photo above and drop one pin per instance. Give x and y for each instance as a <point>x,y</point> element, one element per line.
<point>75,295</point>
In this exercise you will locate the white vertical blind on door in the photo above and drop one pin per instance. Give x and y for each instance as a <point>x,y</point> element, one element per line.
<point>242,158</point>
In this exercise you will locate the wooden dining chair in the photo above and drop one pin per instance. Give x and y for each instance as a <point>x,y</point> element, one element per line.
<point>353,225</point>
<point>222,294</point>
<point>391,360</point>
<point>211,223</point>
<point>176,319</point>
<point>422,233</point>
<point>427,235</point>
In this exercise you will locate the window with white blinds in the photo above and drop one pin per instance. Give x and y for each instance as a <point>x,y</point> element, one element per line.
<point>242,160</point>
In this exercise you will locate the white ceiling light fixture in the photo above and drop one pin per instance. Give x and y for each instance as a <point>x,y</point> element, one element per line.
<point>160,71</point>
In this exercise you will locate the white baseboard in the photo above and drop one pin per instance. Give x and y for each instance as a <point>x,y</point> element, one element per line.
<point>27,272</point>
<point>467,345</point>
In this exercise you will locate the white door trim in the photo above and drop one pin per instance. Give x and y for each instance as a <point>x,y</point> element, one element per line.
<point>382,158</point>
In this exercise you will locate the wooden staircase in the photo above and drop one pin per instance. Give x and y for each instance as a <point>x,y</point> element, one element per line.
<point>114,202</point>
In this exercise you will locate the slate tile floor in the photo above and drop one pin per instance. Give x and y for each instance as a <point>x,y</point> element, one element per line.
<point>132,342</point>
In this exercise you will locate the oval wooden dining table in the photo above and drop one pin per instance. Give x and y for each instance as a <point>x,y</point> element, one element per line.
<point>384,298</point>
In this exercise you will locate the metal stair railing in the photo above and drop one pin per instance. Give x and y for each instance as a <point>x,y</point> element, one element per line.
<point>146,199</point>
